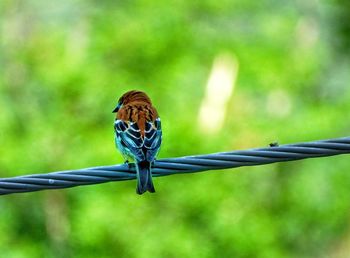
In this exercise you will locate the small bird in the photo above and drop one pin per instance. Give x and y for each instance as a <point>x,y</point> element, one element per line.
<point>138,135</point>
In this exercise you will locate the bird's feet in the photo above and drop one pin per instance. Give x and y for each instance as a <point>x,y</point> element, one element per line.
<point>130,165</point>
<point>153,162</point>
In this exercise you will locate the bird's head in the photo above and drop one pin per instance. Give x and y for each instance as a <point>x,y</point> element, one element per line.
<point>132,96</point>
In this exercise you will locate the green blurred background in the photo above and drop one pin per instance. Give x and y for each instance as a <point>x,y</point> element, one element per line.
<point>64,64</point>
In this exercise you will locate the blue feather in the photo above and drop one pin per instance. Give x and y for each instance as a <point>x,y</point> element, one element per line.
<point>140,149</point>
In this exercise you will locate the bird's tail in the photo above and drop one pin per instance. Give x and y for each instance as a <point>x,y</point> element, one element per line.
<point>144,177</point>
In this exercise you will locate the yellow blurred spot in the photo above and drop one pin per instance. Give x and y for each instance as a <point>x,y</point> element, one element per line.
<point>307,33</point>
<point>219,89</point>
<point>279,103</point>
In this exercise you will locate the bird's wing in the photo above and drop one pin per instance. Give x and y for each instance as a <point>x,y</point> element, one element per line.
<point>152,139</point>
<point>130,138</point>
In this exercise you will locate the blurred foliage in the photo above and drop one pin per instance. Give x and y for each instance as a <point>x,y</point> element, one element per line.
<point>64,64</point>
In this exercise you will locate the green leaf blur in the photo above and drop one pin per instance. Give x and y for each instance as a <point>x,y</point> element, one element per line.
<point>63,66</point>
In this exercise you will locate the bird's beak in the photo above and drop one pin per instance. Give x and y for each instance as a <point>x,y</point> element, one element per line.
<point>116,108</point>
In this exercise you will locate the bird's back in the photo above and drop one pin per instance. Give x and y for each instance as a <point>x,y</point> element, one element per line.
<point>138,129</point>
<point>139,113</point>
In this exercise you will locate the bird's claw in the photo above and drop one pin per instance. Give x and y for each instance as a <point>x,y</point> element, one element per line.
<point>130,165</point>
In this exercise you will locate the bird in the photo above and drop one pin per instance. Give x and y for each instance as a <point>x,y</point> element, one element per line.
<point>138,135</point>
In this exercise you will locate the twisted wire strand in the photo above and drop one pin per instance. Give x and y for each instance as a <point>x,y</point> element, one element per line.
<point>169,166</point>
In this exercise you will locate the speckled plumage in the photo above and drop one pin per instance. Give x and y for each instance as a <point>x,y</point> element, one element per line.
<point>138,135</point>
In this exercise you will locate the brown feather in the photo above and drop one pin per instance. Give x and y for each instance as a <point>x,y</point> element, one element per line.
<point>137,107</point>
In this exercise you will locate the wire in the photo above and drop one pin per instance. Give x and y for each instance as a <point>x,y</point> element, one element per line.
<point>182,165</point>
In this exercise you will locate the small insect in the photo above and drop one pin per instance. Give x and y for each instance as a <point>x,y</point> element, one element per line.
<point>274,144</point>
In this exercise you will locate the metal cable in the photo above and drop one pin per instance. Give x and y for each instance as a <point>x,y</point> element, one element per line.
<point>188,164</point>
